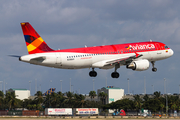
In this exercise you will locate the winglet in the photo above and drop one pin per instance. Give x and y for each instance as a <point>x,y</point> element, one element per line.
<point>138,55</point>
<point>34,42</point>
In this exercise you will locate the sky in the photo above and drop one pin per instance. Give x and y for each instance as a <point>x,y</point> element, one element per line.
<point>76,23</point>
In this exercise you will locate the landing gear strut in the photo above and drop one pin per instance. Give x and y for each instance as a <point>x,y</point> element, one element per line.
<point>92,73</point>
<point>115,74</point>
<point>153,69</point>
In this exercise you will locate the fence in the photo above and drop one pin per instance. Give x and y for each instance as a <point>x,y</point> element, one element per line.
<point>22,113</point>
<point>171,113</point>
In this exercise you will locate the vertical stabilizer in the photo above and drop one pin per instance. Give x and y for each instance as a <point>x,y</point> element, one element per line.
<point>34,42</point>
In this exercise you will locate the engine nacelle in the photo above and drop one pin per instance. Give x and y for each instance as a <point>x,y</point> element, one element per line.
<point>139,65</point>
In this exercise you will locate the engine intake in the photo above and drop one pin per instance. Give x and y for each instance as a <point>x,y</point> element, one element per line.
<point>139,65</point>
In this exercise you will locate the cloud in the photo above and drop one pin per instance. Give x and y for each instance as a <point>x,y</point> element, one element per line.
<point>70,24</point>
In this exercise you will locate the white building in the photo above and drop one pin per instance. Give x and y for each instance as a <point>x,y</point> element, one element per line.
<point>114,93</point>
<point>20,93</point>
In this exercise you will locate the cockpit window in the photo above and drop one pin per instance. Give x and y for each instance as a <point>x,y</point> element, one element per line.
<point>165,47</point>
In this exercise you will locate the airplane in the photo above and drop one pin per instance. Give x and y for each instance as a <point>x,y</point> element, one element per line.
<point>136,56</point>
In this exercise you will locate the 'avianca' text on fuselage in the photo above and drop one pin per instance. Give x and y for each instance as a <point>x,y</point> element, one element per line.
<point>135,56</point>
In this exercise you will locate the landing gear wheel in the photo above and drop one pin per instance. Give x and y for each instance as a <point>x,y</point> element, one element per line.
<point>154,69</point>
<point>92,73</point>
<point>115,75</point>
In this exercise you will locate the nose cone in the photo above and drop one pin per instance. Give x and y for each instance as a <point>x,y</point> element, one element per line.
<point>171,52</point>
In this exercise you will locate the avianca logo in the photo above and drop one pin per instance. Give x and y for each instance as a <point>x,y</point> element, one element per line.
<point>137,47</point>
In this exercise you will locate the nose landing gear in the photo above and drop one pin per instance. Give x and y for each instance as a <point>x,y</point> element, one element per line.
<point>153,69</point>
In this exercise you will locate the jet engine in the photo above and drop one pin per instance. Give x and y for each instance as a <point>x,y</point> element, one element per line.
<point>139,65</point>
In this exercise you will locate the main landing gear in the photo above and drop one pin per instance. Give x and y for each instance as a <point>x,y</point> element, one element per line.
<point>153,69</point>
<point>92,73</point>
<point>115,74</point>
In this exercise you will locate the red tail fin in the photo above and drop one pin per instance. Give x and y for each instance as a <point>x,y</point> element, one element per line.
<point>34,42</point>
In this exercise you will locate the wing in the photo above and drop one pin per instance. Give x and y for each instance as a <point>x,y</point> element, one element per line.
<point>124,60</point>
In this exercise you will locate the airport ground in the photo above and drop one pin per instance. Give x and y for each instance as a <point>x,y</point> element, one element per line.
<point>86,118</point>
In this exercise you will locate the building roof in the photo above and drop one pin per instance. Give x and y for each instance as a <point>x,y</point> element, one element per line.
<point>18,89</point>
<point>111,87</point>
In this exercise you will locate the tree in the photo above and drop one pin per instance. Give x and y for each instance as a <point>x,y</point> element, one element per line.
<point>124,104</point>
<point>103,97</point>
<point>154,105</point>
<point>27,103</point>
<point>80,100</point>
<point>162,107</point>
<point>54,100</point>
<point>157,95</point>
<point>39,97</point>
<point>137,102</point>
<point>146,98</point>
<point>47,102</point>
<point>92,94</point>
<point>61,99</point>
<point>11,100</point>
<point>69,100</point>
<point>39,100</point>
<point>1,100</point>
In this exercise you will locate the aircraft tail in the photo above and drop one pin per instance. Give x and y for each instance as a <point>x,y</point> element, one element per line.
<point>34,42</point>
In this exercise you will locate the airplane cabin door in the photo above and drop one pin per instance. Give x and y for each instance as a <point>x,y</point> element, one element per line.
<point>159,52</point>
<point>58,59</point>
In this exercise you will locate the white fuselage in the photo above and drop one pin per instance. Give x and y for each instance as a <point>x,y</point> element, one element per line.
<point>73,60</point>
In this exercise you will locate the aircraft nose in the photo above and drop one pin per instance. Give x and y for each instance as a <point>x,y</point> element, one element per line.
<point>171,52</point>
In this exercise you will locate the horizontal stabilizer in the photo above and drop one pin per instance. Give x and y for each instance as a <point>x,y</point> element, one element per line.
<point>39,58</point>
<point>14,56</point>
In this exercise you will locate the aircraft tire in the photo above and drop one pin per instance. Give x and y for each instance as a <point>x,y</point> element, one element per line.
<point>154,69</point>
<point>115,75</point>
<point>92,73</point>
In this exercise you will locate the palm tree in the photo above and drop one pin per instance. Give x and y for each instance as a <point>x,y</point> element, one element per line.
<point>162,107</point>
<point>1,100</point>
<point>39,100</point>
<point>54,99</point>
<point>80,100</point>
<point>146,98</point>
<point>137,102</point>
<point>11,100</point>
<point>27,103</point>
<point>103,97</point>
<point>157,95</point>
<point>69,100</point>
<point>61,99</point>
<point>39,97</point>
<point>92,94</point>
